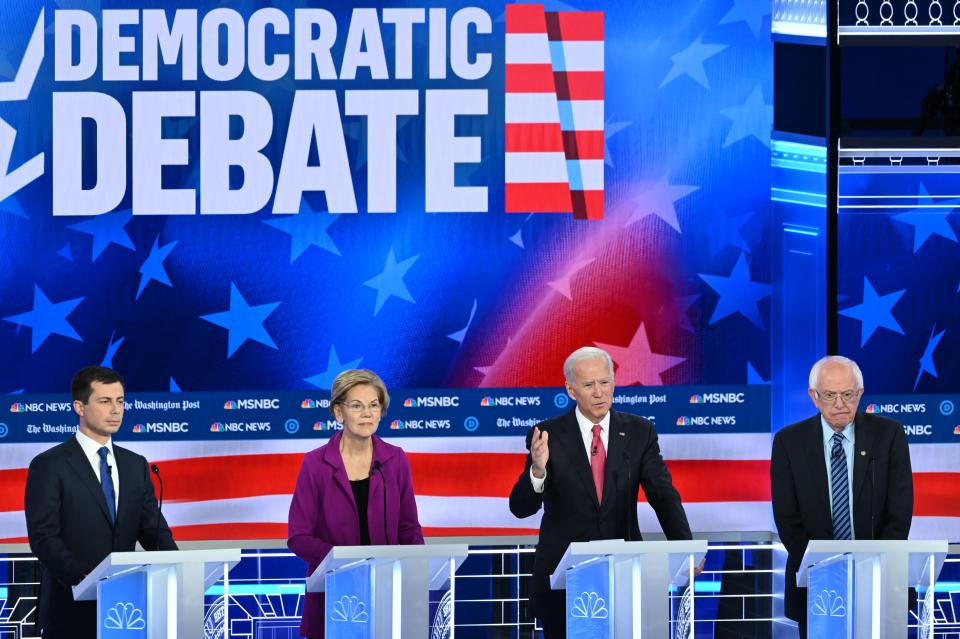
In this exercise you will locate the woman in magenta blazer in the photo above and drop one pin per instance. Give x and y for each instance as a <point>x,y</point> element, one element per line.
<point>354,490</point>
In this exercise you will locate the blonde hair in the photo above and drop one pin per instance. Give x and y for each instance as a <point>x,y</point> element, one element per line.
<point>350,379</point>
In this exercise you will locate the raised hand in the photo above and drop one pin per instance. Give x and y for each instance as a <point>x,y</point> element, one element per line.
<point>539,452</point>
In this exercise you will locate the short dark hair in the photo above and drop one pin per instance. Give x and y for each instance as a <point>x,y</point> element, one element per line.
<point>82,385</point>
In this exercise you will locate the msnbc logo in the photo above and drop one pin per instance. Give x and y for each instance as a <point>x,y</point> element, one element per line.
<point>138,428</point>
<point>229,405</point>
<point>216,427</point>
<point>956,430</point>
<point>17,407</point>
<point>872,408</point>
<point>696,399</point>
<point>407,403</point>
<point>486,401</point>
<point>683,421</point>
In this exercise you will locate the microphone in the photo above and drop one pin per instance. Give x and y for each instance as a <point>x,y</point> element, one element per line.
<point>377,466</point>
<point>631,499</point>
<point>873,490</point>
<point>156,471</point>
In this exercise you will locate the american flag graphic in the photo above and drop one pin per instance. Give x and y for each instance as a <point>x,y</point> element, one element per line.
<point>241,489</point>
<point>554,111</point>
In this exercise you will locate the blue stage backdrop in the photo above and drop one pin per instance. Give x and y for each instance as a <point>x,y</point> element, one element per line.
<point>236,201</point>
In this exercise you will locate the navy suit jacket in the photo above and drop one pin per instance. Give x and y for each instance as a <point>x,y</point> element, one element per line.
<point>571,511</point>
<point>70,531</point>
<point>882,490</point>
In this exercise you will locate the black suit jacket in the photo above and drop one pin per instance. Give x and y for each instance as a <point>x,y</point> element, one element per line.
<point>571,511</point>
<point>882,490</point>
<point>70,531</point>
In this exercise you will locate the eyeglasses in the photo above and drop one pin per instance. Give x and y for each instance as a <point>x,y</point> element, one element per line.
<point>830,397</point>
<point>357,407</point>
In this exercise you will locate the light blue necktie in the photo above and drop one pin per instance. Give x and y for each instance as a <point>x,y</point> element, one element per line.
<point>839,489</point>
<point>106,483</point>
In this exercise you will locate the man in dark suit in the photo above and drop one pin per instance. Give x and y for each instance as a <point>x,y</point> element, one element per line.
<point>840,474</point>
<point>86,498</point>
<point>585,468</point>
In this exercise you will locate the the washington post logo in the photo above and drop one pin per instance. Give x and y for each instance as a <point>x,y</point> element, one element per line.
<point>554,111</point>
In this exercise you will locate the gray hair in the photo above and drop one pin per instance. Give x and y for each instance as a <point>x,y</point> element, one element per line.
<point>835,359</point>
<point>585,353</point>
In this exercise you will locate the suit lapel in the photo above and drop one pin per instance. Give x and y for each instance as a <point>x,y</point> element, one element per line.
<point>862,454</point>
<point>572,441</point>
<point>617,440</point>
<point>813,450</point>
<point>331,455</point>
<point>88,478</point>
<point>128,472</point>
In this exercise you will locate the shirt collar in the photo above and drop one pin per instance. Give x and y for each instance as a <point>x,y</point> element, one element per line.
<point>828,432</point>
<point>91,447</point>
<point>587,426</point>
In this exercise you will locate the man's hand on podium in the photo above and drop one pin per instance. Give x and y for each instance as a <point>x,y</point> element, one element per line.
<point>699,567</point>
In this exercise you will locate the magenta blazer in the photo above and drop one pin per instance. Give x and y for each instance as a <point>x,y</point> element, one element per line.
<point>323,513</point>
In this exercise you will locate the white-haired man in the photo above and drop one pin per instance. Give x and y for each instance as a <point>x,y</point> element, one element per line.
<point>585,469</point>
<point>840,474</point>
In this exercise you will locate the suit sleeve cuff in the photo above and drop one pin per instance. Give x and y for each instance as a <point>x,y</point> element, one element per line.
<point>538,481</point>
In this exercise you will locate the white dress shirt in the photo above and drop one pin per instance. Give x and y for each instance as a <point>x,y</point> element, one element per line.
<point>848,444</point>
<point>90,449</point>
<point>586,431</point>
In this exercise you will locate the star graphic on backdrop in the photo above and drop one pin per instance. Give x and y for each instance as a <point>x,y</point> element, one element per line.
<point>174,386</point>
<point>152,269</point>
<point>610,129</point>
<point>485,370</point>
<point>66,253</point>
<point>390,281</point>
<point>562,285</point>
<point>749,11</point>
<point>875,311</point>
<point>677,311</point>
<point>517,238</point>
<point>112,348</point>
<point>325,379</point>
<point>738,293</point>
<point>659,200</point>
<point>754,377</point>
<point>723,230</point>
<point>690,62</point>
<point>306,229</point>
<point>47,319</point>
<point>927,222</point>
<point>12,206</point>
<point>753,118</point>
<point>243,321</point>
<point>459,335</point>
<point>927,364</point>
<point>106,229</point>
<point>637,364</point>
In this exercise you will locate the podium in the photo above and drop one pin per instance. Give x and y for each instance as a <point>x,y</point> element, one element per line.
<point>154,594</point>
<point>619,588</point>
<point>858,589</point>
<point>379,592</point>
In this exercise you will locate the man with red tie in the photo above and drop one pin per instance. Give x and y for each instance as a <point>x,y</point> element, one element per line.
<point>585,468</point>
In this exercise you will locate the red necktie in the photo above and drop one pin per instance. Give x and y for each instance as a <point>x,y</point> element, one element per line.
<point>598,460</point>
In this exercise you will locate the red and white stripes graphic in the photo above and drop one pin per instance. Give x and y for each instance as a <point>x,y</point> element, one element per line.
<point>241,490</point>
<point>554,145</point>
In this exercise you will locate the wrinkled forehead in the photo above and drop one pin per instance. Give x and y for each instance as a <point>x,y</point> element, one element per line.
<point>836,376</point>
<point>362,393</point>
<point>591,369</point>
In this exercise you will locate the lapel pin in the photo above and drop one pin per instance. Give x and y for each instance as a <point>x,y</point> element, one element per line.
<point>623,434</point>
<point>863,453</point>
